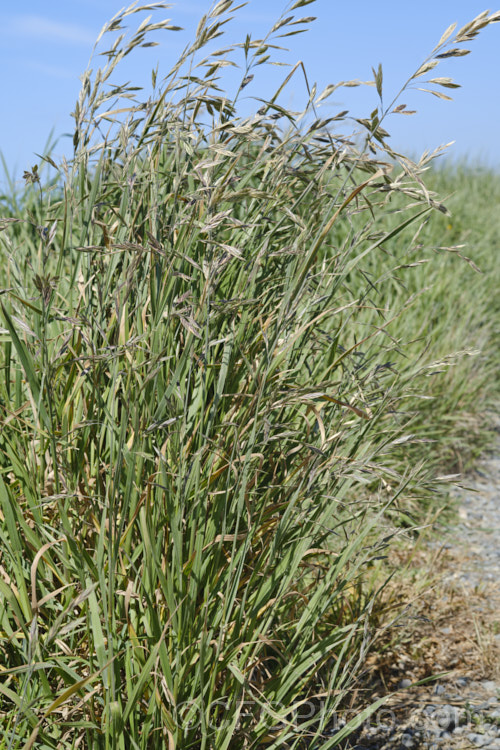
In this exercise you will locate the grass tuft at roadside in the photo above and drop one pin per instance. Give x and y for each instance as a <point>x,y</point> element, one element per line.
<point>239,358</point>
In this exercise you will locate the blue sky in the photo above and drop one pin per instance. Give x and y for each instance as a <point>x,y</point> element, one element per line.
<point>44,48</point>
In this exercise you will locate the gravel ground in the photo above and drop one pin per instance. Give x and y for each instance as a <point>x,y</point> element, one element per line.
<point>462,710</point>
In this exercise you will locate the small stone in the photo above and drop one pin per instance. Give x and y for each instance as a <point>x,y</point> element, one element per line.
<point>447,717</point>
<point>490,685</point>
<point>405,683</point>
<point>384,728</point>
<point>434,730</point>
<point>479,740</point>
<point>439,689</point>
<point>407,742</point>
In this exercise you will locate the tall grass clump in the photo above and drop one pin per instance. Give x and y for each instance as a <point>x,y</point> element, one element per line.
<point>202,406</point>
<point>448,273</point>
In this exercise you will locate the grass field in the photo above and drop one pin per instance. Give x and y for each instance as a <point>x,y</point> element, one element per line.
<point>237,358</point>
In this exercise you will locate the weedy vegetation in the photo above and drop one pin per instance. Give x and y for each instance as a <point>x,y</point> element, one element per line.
<point>237,355</point>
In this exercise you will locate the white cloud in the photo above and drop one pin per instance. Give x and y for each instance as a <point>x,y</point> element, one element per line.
<point>44,28</point>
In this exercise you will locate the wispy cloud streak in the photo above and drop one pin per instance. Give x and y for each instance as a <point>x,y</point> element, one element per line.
<point>52,71</point>
<point>39,27</point>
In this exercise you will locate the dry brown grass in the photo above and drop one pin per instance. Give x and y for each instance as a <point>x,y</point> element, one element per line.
<point>446,632</point>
